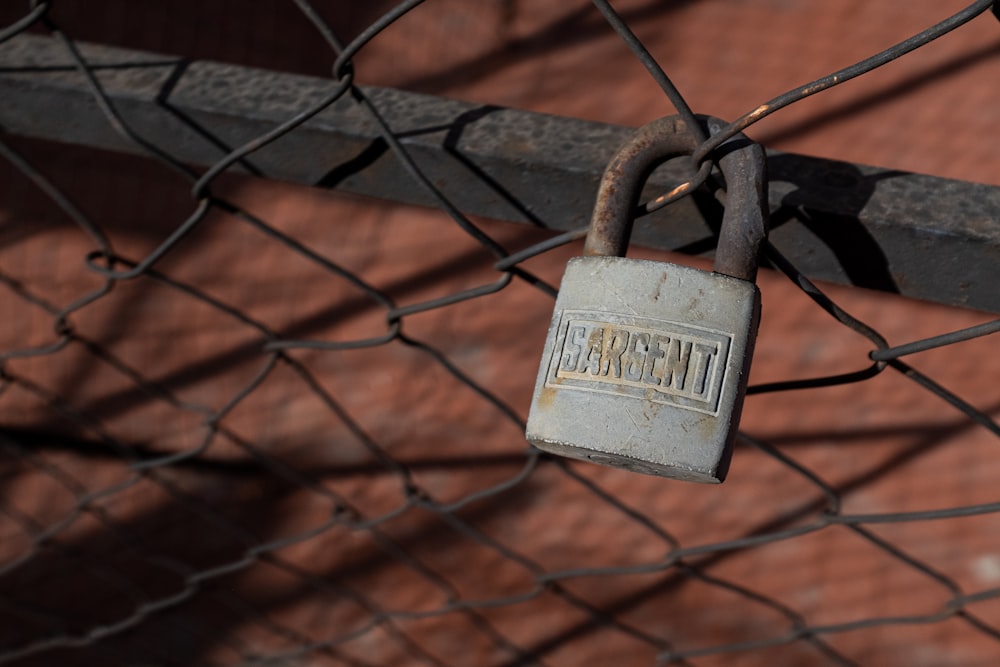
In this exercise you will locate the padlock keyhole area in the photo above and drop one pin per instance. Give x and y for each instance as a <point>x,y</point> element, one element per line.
<point>633,465</point>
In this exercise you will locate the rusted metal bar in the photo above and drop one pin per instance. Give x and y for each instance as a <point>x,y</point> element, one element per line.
<point>920,236</point>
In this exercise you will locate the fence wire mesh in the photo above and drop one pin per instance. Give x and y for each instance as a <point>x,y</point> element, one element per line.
<point>273,437</point>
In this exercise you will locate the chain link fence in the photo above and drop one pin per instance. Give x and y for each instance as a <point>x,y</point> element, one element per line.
<point>286,428</point>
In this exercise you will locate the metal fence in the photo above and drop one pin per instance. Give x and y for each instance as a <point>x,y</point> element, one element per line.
<point>269,435</point>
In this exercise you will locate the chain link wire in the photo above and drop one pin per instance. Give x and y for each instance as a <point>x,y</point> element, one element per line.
<point>230,547</point>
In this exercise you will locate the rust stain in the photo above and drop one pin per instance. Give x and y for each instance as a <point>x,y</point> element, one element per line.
<point>546,397</point>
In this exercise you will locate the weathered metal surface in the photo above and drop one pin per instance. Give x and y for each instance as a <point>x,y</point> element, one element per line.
<point>645,365</point>
<point>921,236</point>
<point>744,227</point>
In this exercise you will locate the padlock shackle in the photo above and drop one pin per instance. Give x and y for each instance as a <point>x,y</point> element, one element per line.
<point>743,164</point>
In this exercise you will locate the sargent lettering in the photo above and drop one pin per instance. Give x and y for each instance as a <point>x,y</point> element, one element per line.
<point>681,366</point>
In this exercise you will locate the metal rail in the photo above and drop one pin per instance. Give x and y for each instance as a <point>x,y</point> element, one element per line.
<point>921,236</point>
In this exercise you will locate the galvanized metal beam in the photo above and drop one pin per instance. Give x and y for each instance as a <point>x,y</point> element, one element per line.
<point>920,236</point>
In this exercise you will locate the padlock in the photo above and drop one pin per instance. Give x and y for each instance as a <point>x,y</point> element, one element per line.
<point>645,365</point>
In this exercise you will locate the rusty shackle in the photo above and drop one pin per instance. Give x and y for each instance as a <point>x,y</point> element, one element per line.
<point>743,164</point>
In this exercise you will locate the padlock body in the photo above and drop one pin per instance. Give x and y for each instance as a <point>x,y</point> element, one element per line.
<point>645,367</point>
